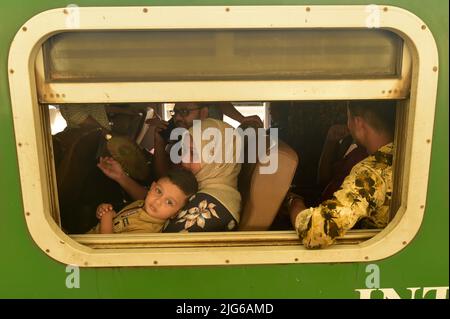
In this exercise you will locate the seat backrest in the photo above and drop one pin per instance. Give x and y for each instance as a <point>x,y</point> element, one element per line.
<point>263,194</point>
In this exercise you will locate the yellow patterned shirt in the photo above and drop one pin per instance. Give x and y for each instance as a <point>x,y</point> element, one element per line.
<point>364,198</point>
<point>134,219</point>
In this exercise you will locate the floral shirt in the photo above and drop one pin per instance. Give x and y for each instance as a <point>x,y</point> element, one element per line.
<point>203,213</point>
<point>363,200</point>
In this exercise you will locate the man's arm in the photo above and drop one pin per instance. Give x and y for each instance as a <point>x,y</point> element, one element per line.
<point>363,192</point>
<point>297,206</point>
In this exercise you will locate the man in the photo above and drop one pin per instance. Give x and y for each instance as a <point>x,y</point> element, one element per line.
<point>365,195</point>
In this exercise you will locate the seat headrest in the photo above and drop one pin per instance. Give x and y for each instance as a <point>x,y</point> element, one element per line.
<point>263,194</point>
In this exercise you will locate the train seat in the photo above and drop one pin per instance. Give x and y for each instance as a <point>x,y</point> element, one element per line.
<point>263,194</point>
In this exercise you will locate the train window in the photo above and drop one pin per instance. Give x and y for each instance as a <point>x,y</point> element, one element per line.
<point>290,59</point>
<point>221,55</point>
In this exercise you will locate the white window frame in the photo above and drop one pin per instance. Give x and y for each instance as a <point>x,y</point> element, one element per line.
<point>37,179</point>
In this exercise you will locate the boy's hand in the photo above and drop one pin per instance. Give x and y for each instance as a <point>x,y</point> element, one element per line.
<point>104,209</point>
<point>111,168</point>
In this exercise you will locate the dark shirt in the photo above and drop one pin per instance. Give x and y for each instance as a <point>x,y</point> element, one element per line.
<point>341,169</point>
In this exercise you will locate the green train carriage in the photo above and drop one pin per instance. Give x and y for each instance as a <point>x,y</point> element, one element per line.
<point>408,259</point>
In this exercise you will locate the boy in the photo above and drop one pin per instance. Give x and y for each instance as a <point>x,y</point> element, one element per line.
<point>164,199</point>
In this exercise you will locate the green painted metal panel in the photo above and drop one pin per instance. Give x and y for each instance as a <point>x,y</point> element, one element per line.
<point>27,272</point>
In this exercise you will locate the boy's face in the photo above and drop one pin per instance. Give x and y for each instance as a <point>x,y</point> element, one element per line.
<point>164,199</point>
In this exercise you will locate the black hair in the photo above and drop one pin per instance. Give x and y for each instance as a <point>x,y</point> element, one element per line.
<point>380,115</point>
<point>184,179</point>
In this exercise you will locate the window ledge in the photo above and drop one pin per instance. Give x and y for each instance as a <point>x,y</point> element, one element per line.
<point>221,239</point>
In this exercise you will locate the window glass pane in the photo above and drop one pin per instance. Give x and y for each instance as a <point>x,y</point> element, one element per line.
<point>221,55</point>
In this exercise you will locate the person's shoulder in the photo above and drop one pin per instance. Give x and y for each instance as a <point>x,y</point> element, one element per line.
<point>379,163</point>
<point>381,159</point>
<point>385,150</point>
